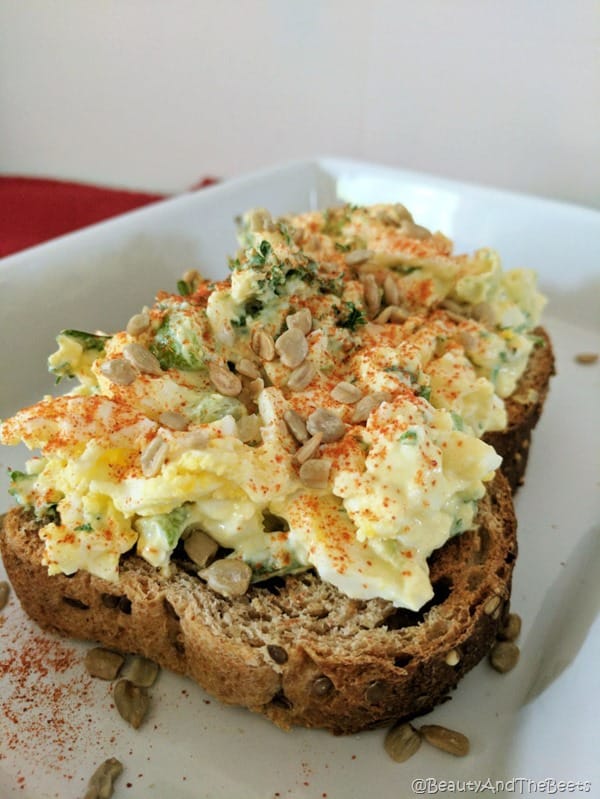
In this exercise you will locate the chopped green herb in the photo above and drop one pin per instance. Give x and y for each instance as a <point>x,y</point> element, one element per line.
<point>425,392</point>
<point>409,437</point>
<point>184,288</point>
<point>84,528</point>
<point>353,317</point>
<point>89,341</point>
<point>457,421</point>
<point>343,247</point>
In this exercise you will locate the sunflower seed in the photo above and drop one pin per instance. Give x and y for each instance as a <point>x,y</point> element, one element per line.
<point>390,290</point>
<point>119,371</point>
<point>309,449</point>
<point>228,577</point>
<point>141,357</point>
<point>153,456</point>
<point>248,428</point>
<point>4,592</point>
<point>226,382</point>
<point>138,323</point>
<point>401,742</point>
<point>302,376</point>
<point>131,701</point>
<point>277,653</point>
<point>302,319</point>
<point>100,785</point>
<point>358,257</point>
<point>511,629</point>
<point>263,345</point>
<point>363,407</point>
<point>173,420</point>
<point>372,295</point>
<point>398,314</point>
<point>321,686</point>
<point>587,358</point>
<point>141,671</point>
<point>385,315</point>
<point>296,425</point>
<point>504,656</point>
<point>326,422</point>
<point>199,546</point>
<point>346,392</point>
<point>315,473</point>
<point>248,368</point>
<point>292,347</point>
<point>451,741</point>
<point>414,231</point>
<point>103,663</point>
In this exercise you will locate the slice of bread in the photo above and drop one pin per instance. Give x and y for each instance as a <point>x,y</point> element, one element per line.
<point>524,408</point>
<point>293,649</point>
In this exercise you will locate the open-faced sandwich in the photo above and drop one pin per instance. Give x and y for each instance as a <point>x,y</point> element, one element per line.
<point>283,484</point>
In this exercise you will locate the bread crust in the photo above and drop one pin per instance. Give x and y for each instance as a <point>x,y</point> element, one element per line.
<point>295,649</point>
<point>524,408</point>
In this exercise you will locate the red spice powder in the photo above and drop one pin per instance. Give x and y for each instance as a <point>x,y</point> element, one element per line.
<point>45,701</point>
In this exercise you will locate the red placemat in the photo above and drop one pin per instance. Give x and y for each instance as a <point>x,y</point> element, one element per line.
<point>34,210</point>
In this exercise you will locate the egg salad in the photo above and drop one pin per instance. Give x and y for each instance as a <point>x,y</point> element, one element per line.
<point>321,408</point>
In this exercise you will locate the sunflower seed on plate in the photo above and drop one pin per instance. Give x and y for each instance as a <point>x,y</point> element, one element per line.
<point>141,671</point>
<point>401,742</point>
<point>103,663</point>
<point>131,701</point>
<point>504,656</point>
<point>100,785</point>
<point>451,741</point>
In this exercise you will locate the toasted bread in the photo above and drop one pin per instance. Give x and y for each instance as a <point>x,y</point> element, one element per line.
<point>294,649</point>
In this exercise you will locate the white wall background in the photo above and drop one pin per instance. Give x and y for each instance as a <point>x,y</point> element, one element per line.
<point>155,95</point>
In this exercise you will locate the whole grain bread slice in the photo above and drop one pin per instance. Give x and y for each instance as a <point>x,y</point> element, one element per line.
<point>294,649</point>
<point>524,408</point>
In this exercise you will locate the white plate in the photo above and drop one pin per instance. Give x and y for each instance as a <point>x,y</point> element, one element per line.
<point>537,723</point>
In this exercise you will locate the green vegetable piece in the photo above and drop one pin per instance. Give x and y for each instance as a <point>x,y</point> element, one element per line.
<point>177,344</point>
<point>89,341</point>
<point>353,317</point>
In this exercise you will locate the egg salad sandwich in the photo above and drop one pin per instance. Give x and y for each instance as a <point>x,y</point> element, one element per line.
<point>289,484</point>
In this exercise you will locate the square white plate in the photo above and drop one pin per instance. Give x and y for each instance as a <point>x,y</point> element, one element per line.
<point>537,723</point>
